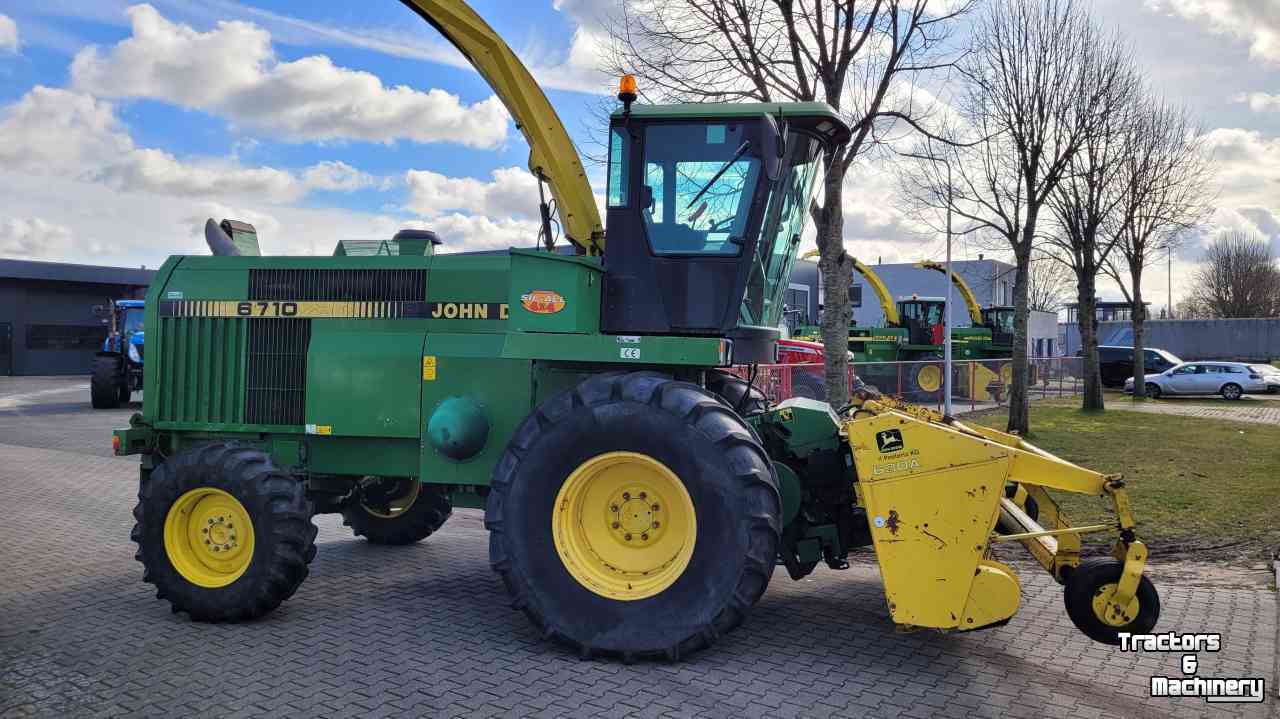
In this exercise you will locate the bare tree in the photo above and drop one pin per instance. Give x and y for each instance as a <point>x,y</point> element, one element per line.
<point>1050,288</point>
<point>1084,204</point>
<point>1237,278</point>
<point>1165,176</point>
<point>862,57</point>
<point>1032,88</point>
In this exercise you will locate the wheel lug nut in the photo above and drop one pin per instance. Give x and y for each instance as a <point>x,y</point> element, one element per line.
<point>613,508</point>
<point>205,530</point>
<point>211,520</point>
<point>616,525</point>
<point>626,495</point>
<point>627,537</point>
<point>655,525</point>
<point>644,537</point>
<point>655,507</point>
<point>642,495</point>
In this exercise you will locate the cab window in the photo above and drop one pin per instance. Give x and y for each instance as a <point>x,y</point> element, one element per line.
<point>619,150</point>
<point>1189,369</point>
<point>699,181</point>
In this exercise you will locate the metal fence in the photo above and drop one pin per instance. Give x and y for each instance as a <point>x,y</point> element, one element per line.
<point>976,384</point>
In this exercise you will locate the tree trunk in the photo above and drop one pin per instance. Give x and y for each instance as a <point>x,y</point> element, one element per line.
<point>1019,400</point>
<point>837,272</point>
<point>1087,312</point>
<point>1139,317</point>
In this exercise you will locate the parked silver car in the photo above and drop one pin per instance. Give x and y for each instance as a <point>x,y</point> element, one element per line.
<point>1229,379</point>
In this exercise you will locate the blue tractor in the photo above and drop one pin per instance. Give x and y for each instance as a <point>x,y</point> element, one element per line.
<point>117,368</point>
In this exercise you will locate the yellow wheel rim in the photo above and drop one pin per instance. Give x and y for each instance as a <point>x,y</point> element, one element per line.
<point>399,505</point>
<point>208,537</point>
<point>624,525</point>
<point>1006,373</point>
<point>1104,608</point>
<point>929,378</point>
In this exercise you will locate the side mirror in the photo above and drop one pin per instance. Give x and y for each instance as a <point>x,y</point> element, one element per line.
<point>773,146</point>
<point>646,197</point>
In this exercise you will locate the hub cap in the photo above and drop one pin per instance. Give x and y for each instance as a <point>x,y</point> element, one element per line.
<point>1104,608</point>
<point>208,537</point>
<point>624,525</point>
<point>929,378</point>
<point>398,506</point>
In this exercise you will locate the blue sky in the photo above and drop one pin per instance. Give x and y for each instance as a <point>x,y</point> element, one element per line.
<point>124,125</point>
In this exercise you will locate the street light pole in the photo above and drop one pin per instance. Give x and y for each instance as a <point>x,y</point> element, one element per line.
<point>946,312</point>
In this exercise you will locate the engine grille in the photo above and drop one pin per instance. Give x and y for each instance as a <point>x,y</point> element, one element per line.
<point>276,377</point>
<point>201,370</point>
<point>336,285</point>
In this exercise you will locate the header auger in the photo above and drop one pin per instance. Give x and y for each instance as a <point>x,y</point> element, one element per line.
<point>638,495</point>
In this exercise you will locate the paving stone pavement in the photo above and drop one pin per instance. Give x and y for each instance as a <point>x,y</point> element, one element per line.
<point>1245,410</point>
<point>426,631</point>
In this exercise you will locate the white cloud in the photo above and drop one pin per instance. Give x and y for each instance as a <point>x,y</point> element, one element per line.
<point>8,34</point>
<point>232,70</point>
<point>1254,21</point>
<point>1248,167</point>
<point>1260,101</point>
<point>148,170</point>
<point>50,131</point>
<point>513,192</point>
<point>336,177</point>
<point>33,238</point>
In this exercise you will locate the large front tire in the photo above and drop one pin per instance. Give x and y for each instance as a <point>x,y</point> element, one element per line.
<point>222,534</point>
<point>404,512</point>
<point>587,472</point>
<point>105,389</point>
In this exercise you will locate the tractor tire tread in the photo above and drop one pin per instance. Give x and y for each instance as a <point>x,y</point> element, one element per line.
<point>707,413</point>
<point>104,384</point>
<point>283,548</point>
<point>429,511</point>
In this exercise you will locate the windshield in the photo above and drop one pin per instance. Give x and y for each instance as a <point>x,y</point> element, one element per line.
<point>132,320</point>
<point>1264,369</point>
<point>699,181</point>
<point>785,218</point>
<point>927,312</point>
<point>1000,320</point>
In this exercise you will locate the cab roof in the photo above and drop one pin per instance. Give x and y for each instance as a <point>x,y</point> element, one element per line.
<point>822,116</point>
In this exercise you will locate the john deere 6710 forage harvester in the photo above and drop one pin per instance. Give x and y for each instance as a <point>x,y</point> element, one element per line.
<point>638,497</point>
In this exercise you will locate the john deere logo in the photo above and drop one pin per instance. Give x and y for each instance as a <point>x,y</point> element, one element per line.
<point>889,440</point>
<point>542,302</point>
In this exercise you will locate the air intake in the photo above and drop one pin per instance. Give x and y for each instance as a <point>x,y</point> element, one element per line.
<point>339,285</point>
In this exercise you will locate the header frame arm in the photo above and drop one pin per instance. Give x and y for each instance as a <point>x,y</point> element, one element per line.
<point>552,155</point>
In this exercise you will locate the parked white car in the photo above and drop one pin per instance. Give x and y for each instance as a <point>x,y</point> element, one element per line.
<point>1270,374</point>
<point>1229,379</point>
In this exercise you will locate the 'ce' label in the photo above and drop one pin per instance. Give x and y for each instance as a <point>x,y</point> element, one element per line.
<point>629,353</point>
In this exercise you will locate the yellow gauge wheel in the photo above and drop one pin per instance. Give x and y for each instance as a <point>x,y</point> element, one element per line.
<point>399,505</point>
<point>929,378</point>
<point>1103,609</point>
<point>624,525</point>
<point>208,537</point>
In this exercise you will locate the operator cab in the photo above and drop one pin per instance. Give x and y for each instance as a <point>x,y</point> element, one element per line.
<point>705,208</point>
<point>923,318</point>
<point>1000,321</point>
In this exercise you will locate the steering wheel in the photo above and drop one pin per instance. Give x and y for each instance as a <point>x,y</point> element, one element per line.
<point>717,226</point>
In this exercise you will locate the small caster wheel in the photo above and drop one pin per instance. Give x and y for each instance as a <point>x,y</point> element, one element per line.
<point>1088,593</point>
